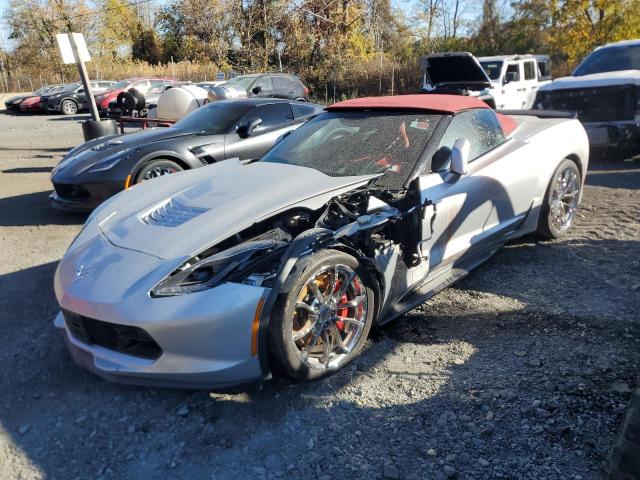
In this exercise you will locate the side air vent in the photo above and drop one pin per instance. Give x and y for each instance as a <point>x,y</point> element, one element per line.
<point>171,214</point>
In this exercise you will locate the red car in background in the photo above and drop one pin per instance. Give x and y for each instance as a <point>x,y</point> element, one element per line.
<point>140,84</point>
<point>31,104</point>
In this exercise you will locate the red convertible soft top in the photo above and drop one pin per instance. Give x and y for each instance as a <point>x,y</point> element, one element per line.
<point>434,102</point>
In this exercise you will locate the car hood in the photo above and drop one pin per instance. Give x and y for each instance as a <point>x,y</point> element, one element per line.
<point>88,154</point>
<point>606,79</point>
<point>177,216</point>
<point>455,69</point>
<point>17,98</point>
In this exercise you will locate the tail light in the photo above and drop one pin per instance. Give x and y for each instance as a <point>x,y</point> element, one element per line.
<point>306,91</point>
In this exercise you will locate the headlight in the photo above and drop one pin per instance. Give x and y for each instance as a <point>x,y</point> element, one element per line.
<point>201,273</point>
<point>113,160</point>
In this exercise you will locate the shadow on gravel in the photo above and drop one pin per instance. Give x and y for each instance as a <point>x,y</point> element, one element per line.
<point>30,169</point>
<point>34,209</point>
<point>55,149</point>
<point>74,118</point>
<point>617,175</point>
<point>492,391</point>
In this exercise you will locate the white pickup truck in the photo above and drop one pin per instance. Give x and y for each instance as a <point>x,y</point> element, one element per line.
<point>512,81</point>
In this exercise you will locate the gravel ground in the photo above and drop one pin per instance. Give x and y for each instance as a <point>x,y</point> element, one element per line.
<point>522,370</point>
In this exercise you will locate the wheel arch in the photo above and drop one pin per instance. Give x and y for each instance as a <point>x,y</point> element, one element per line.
<point>164,155</point>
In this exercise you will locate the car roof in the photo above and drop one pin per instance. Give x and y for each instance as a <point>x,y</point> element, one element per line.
<point>623,43</point>
<point>527,56</point>
<point>426,101</point>
<point>258,101</point>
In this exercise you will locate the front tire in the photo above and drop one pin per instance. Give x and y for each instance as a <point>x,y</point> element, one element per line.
<point>322,317</point>
<point>157,168</point>
<point>69,107</point>
<point>560,201</point>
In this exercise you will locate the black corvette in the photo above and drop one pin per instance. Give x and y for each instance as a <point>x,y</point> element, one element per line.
<point>242,128</point>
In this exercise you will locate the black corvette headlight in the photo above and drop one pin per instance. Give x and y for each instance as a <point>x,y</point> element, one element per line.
<point>205,272</point>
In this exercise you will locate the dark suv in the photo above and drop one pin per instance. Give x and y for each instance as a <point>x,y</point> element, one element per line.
<point>274,85</point>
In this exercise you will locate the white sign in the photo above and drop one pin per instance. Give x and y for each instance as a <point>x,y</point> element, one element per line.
<point>64,45</point>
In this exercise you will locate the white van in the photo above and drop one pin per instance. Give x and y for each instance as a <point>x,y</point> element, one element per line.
<point>508,82</point>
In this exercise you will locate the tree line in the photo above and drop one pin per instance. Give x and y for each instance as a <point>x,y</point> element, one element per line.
<point>357,46</point>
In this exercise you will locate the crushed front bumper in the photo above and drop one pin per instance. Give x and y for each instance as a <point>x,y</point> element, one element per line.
<point>613,134</point>
<point>204,339</point>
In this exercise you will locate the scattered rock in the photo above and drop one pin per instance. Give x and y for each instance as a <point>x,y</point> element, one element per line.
<point>535,362</point>
<point>391,472</point>
<point>520,353</point>
<point>24,429</point>
<point>431,452</point>
<point>620,388</point>
<point>482,462</point>
<point>449,471</point>
<point>183,411</point>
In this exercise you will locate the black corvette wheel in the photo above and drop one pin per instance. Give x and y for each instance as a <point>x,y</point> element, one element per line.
<point>322,317</point>
<point>157,168</point>
<point>561,201</point>
<point>69,107</point>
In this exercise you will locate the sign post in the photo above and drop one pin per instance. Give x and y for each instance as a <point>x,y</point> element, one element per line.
<point>73,49</point>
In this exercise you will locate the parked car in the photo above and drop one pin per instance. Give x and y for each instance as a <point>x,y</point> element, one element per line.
<point>219,276</point>
<point>515,79</point>
<point>505,82</point>
<point>142,85</point>
<point>13,103</point>
<point>72,99</point>
<point>605,92</point>
<point>244,128</point>
<point>271,85</point>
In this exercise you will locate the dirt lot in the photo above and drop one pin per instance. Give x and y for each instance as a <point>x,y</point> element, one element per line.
<point>520,371</point>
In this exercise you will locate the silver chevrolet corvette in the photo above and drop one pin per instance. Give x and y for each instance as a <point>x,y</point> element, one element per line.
<point>240,270</point>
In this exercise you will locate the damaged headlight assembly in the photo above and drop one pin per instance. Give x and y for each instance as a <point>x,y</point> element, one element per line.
<point>198,274</point>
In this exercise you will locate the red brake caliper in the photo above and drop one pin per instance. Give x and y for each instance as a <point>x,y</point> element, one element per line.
<point>343,311</point>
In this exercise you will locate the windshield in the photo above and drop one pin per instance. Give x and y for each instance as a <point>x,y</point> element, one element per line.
<point>243,81</point>
<point>214,119</point>
<point>67,88</point>
<point>121,85</point>
<point>341,144</point>
<point>610,59</point>
<point>493,69</point>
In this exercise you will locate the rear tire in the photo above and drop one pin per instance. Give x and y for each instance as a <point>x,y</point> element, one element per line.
<point>339,321</point>
<point>560,201</point>
<point>157,168</point>
<point>624,463</point>
<point>69,107</point>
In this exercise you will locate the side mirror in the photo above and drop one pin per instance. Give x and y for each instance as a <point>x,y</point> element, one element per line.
<point>245,130</point>
<point>256,90</point>
<point>460,156</point>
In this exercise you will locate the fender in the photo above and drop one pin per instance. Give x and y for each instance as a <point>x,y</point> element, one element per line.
<point>168,154</point>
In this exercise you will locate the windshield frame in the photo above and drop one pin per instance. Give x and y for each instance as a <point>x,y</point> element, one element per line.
<point>595,56</point>
<point>416,164</point>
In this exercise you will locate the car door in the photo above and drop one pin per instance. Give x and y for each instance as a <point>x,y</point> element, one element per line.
<point>530,81</point>
<point>283,87</point>
<point>266,85</point>
<point>461,208</point>
<point>277,119</point>
<point>513,88</point>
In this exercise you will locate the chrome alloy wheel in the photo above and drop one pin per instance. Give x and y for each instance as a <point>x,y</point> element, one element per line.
<point>563,200</point>
<point>158,172</point>
<point>329,316</point>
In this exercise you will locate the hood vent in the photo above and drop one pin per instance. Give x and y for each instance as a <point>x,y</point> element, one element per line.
<point>171,213</point>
